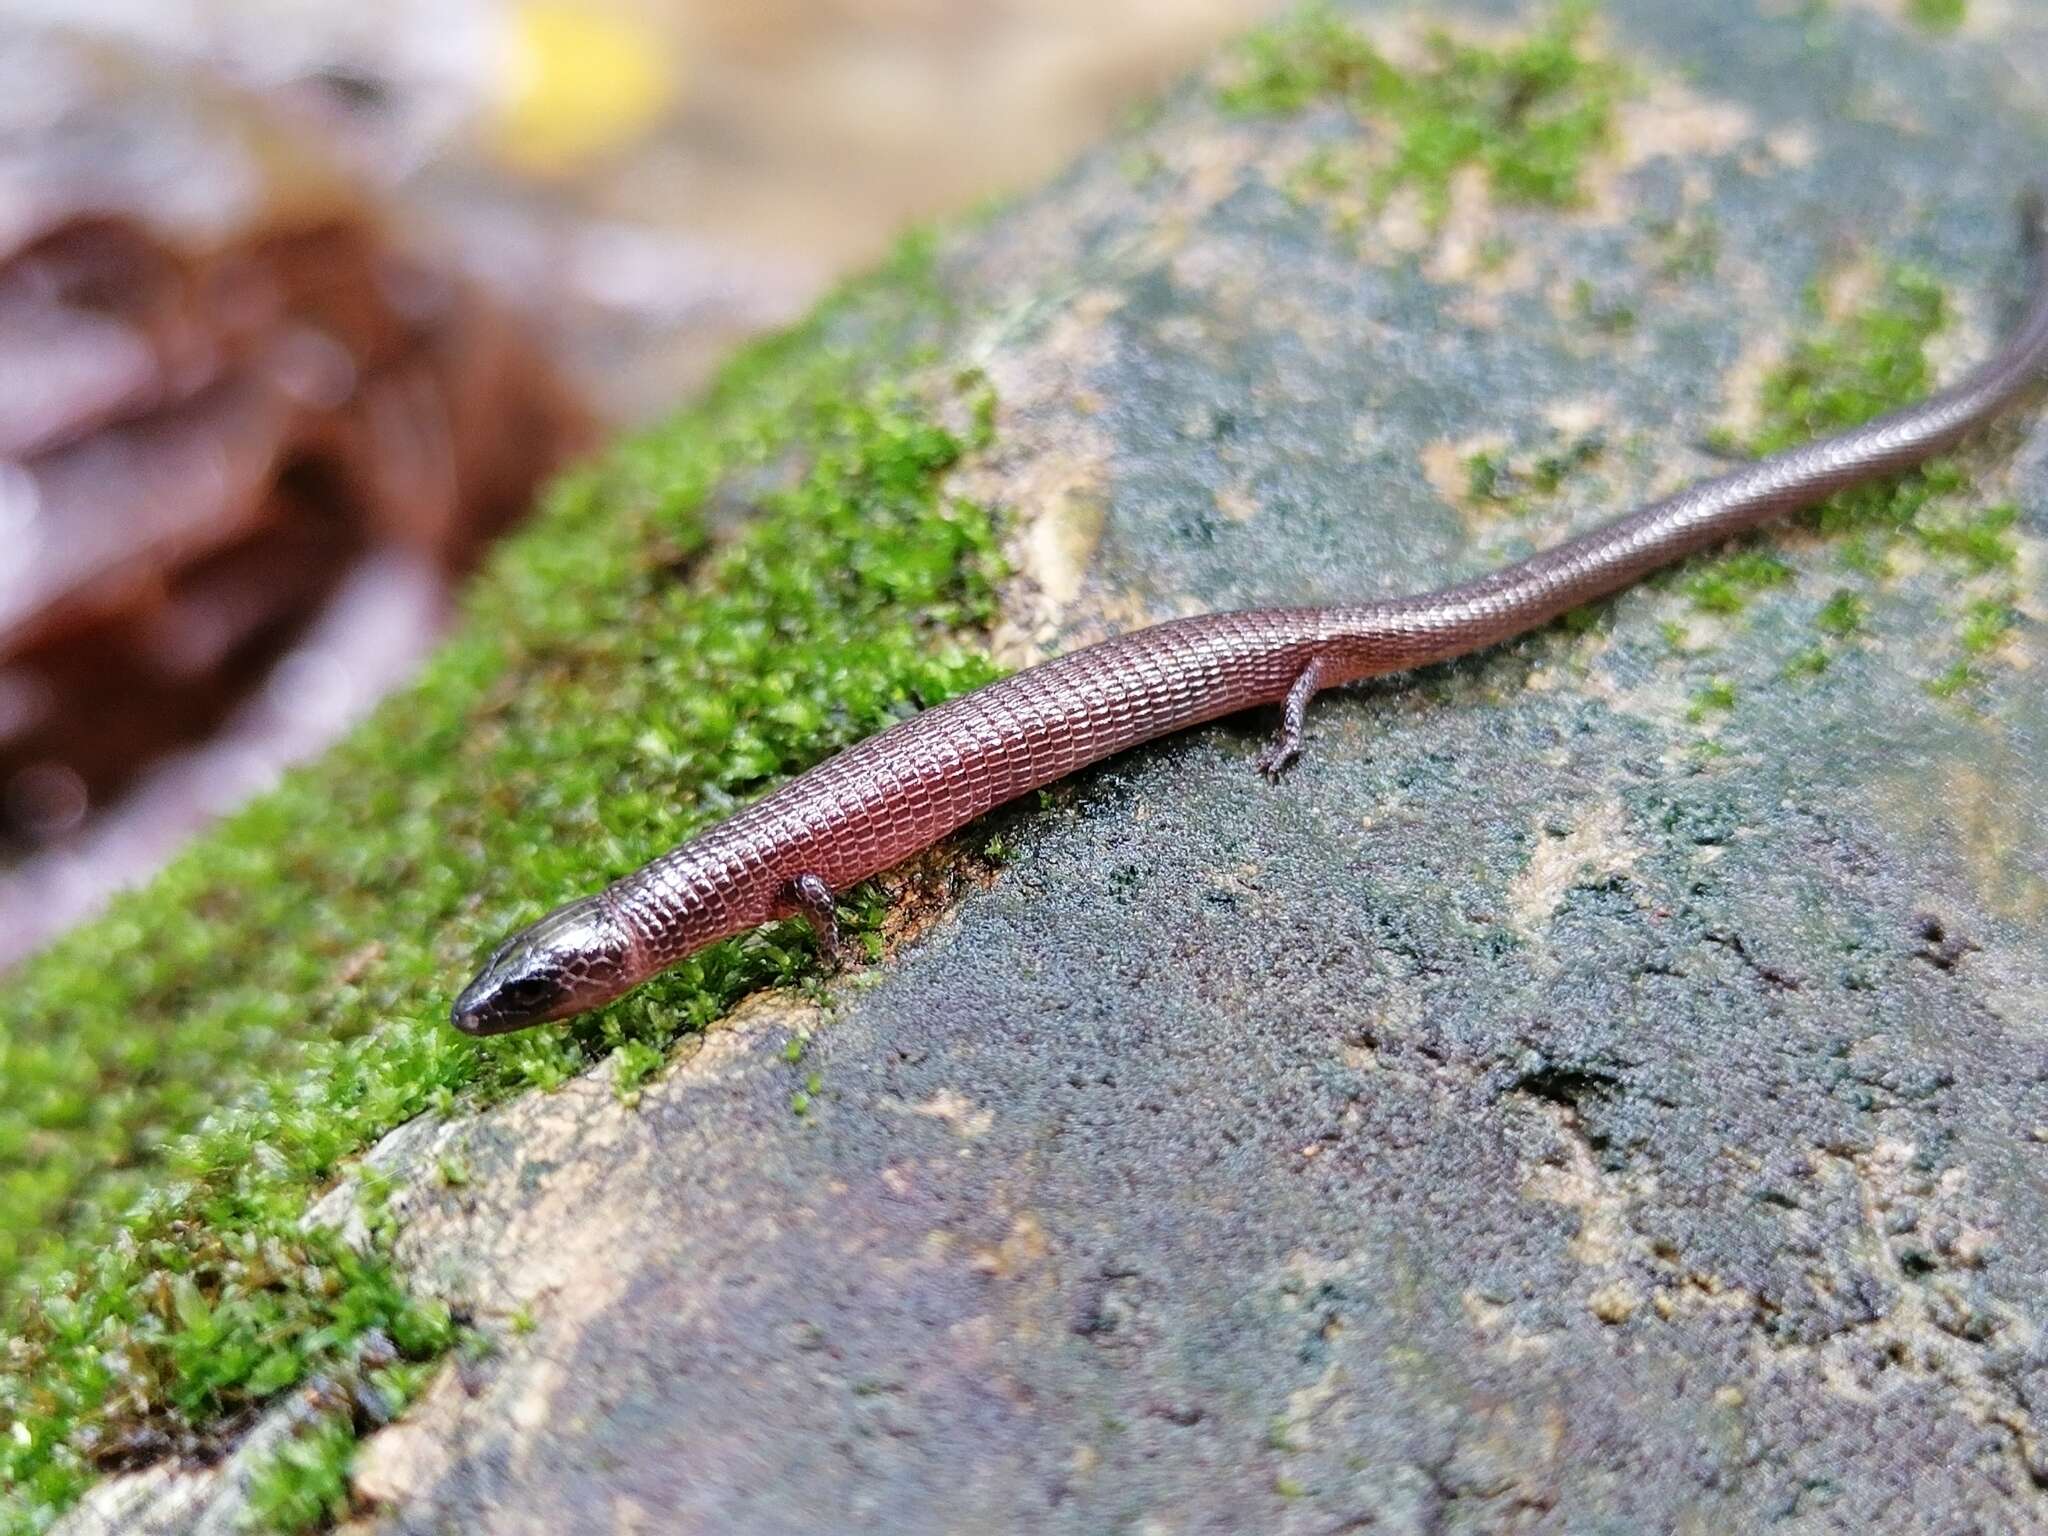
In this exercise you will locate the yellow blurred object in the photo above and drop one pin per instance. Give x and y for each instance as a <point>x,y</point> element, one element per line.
<point>581,79</point>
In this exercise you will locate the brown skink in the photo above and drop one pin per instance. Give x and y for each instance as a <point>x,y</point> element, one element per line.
<point>882,800</point>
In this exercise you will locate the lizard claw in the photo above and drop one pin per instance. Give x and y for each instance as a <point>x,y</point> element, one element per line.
<point>1275,758</point>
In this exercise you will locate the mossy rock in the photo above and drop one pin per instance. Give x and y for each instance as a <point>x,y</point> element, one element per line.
<point>1601,1089</point>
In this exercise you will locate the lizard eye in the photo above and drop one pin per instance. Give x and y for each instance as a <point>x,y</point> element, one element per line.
<point>527,990</point>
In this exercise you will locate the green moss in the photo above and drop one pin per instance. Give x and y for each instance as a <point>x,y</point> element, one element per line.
<point>619,682</point>
<point>1518,483</point>
<point>1981,541</point>
<point>1716,697</point>
<point>1725,585</point>
<point>1312,56</point>
<point>1952,682</point>
<point>1531,112</point>
<point>1937,15</point>
<point>305,1486</point>
<point>634,1065</point>
<point>1842,614</point>
<point>1839,375</point>
<point>1486,475</point>
<point>1986,623</point>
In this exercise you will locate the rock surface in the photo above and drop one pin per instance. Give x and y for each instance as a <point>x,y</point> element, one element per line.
<point>1562,1105</point>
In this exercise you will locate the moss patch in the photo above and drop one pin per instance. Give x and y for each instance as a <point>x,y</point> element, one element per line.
<point>305,1485</point>
<point>1725,585</point>
<point>1979,540</point>
<point>1938,15</point>
<point>1986,623</point>
<point>1842,614</point>
<point>1717,697</point>
<point>1518,483</point>
<point>622,679</point>
<point>1838,375</point>
<point>1531,113</point>
<point>1842,373</point>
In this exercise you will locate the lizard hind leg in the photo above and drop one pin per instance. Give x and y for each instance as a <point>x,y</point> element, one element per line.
<point>1286,743</point>
<point>813,898</point>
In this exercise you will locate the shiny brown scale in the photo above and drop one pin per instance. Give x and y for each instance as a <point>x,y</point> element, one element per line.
<point>876,803</point>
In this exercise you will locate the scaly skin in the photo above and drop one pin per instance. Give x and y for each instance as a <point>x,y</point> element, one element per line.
<point>876,803</point>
